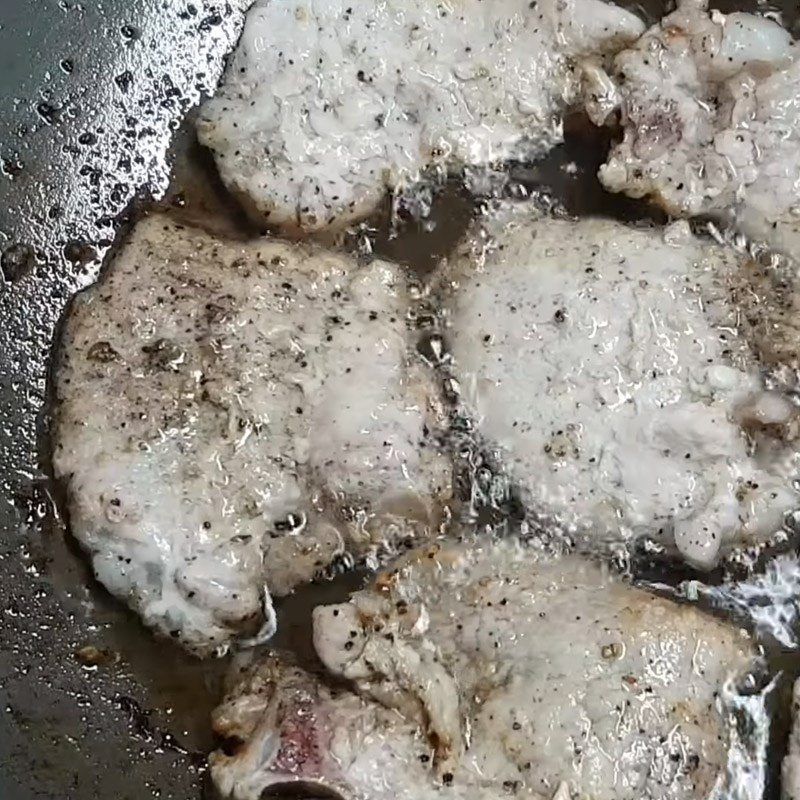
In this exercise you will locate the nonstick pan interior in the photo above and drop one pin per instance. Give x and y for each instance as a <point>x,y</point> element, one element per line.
<point>94,94</point>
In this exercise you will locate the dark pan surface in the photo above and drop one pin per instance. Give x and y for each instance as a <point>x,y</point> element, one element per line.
<point>92,93</point>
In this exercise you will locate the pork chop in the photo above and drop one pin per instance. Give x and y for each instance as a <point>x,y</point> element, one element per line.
<point>604,365</point>
<point>710,121</point>
<point>326,104</point>
<point>484,671</point>
<point>231,417</point>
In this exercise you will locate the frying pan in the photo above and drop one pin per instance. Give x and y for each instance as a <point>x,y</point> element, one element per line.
<point>93,96</point>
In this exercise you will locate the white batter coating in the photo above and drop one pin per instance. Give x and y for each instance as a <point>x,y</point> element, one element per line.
<point>326,104</point>
<point>231,417</point>
<point>604,364</point>
<point>711,121</point>
<point>487,671</point>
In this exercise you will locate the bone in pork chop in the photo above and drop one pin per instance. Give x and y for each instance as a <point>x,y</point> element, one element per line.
<point>711,121</point>
<point>485,671</point>
<point>233,416</point>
